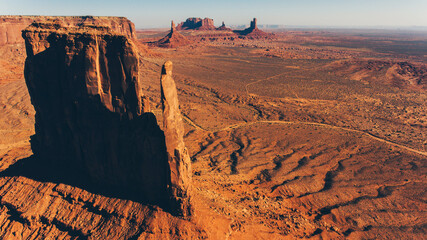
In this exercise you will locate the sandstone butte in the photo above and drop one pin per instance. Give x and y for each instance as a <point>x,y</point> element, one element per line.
<point>253,31</point>
<point>173,39</point>
<point>197,24</point>
<point>93,123</point>
<point>223,27</point>
<point>11,26</point>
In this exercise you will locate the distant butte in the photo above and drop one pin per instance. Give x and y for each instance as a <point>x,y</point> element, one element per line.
<point>253,32</point>
<point>173,39</point>
<point>197,24</point>
<point>223,27</point>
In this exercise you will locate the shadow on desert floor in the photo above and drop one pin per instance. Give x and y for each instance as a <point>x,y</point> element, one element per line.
<point>41,171</point>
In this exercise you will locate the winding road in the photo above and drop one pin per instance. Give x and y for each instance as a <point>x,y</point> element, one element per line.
<point>234,126</point>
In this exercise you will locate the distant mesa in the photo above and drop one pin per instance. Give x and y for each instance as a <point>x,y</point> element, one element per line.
<point>252,32</point>
<point>197,24</point>
<point>173,39</point>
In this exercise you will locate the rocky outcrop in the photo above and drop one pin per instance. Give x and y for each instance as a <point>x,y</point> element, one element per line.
<point>403,75</point>
<point>253,25</point>
<point>93,121</point>
<point>253,32</point>
<point>11,26</point>
<point>172,40</point>
<point>407,75</point>
<point>223,28</point>
<point>197,24</point>
<point>178,158</point>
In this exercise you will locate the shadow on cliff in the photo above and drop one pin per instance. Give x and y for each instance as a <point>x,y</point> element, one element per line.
<point>71,173</point>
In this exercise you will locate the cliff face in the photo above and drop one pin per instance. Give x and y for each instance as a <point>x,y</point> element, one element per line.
<point>92,120</point>
<point>11,26</point>
<point>197,24</point>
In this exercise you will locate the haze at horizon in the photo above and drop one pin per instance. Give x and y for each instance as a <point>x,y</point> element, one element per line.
<point>147,14</point>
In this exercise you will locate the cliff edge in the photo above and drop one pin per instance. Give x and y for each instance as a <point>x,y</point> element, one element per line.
<point>11,26</point>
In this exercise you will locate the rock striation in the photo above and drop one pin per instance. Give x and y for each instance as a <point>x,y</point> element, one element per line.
<point>172,40</point>
<point>93,122</point>
<point>11,26</point>
<point>197,24</point>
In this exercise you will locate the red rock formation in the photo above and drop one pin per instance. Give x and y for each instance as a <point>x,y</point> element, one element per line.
<point>223,28</point>
<point>404,75</point>
<point>172,40</point>
<point>197,24</point>
<point>254,24</point>
<point>179,160</point>
<point>407,75</point>
<point>173,28</point>
<point>253,32</point>
<point>93,122</point>
<point>11,26</point>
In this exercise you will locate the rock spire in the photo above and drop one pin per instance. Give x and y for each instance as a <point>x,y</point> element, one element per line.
<point>252,32</point>
<point>172,40</point>
<point>173,28</point>
<point>254,24</point>
<point>179,160</point>
<point>223,27</point>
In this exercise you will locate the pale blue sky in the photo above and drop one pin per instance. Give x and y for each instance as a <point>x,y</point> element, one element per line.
<point>155,13</point>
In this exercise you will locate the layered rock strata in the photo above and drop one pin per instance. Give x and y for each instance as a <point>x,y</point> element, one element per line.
<point>11,26</point>
<point>93,121</point>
